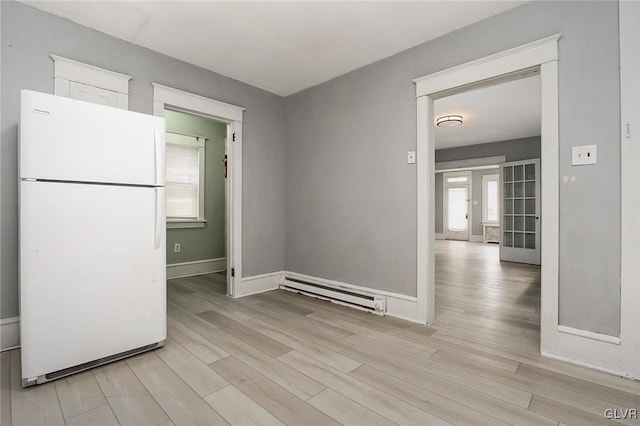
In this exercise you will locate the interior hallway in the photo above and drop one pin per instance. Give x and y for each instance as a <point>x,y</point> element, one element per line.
<point>281,358</point>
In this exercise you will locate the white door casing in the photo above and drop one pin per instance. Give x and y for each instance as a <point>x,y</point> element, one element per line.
<point>232,115</point>
<point>543,54</point>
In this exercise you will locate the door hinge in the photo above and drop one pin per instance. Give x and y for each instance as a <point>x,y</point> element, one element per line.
<point>233,272</point>
<point>234,137</point>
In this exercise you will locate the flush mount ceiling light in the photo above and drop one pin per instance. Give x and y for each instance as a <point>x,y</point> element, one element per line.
<point>449,121</point>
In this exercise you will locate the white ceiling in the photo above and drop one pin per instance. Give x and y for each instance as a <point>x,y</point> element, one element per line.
<point>501,112</point>
<point>281,47</point>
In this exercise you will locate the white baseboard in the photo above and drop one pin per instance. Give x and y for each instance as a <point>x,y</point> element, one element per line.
<point>614,371</point>
<point>258,284</point>
<point>472,238</point>
<point>197,267</point>
<point>9,333</point>
<point>589,334</point>
<point>398,305</point>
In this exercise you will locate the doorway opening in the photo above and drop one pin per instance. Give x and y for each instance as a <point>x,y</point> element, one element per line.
<point>228,119</point>
<point>196,195</point>
<point>541,55</point>
<point>486,260</point>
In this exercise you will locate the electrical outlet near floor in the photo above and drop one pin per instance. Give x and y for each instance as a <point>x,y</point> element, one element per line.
<point>176,248</point>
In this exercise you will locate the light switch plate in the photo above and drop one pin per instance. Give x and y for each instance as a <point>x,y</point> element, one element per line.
<point>411,157</point>
<point>582,155</point>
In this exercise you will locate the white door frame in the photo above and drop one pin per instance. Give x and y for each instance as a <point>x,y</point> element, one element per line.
<point>167,97</point>
<point>544,54</point>
<point>445,199</point>
<point>630,158</point>
<point>602,352</point>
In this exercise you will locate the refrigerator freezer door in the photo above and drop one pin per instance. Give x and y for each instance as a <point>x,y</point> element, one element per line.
<point>93,279</point>
<point>69,140</point>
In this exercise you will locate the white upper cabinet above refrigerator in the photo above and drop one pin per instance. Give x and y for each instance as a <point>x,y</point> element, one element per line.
<point>93,140</point>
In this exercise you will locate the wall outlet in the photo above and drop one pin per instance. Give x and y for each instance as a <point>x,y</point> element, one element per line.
<point>582,155</point>
<point>411,157</point>
<point>176,248</point>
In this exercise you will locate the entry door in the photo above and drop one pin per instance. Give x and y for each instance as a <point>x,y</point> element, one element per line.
<point>456,205</point>
<point>520,227</point>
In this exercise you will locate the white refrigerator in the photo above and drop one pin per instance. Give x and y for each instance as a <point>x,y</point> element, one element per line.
<point>92,235</point>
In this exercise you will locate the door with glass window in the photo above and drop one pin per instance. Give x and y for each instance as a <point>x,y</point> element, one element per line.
<point>457,189</point>
<point>520,224</point>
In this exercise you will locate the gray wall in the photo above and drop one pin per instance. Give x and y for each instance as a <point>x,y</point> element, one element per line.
<point>351,197</point>
<point>515,150</point>
<point>208,242</point>
<point>29,36</point>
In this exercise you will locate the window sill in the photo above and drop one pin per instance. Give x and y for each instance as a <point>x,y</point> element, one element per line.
<point>491,223</point>
<point>185,223</point>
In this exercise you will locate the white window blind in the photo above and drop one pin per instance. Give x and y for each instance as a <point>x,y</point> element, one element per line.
<point>185,177</point>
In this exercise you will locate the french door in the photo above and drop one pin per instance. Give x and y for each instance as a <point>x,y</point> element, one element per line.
<point>457,190</point>
<point>520,224</point>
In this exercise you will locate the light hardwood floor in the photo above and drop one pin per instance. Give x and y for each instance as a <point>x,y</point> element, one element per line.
<point>281,358</point>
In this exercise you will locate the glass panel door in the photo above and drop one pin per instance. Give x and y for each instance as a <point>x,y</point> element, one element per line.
<point>457,209</point>
<point>520,225</point>
<point>457,192</point>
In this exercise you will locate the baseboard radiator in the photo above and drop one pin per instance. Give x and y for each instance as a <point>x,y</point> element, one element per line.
<point>343,296</point>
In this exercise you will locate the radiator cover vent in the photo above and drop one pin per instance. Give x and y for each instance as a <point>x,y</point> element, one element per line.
<point>341,295</point>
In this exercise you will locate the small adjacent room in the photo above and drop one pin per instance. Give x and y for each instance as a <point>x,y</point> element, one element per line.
<point>327,213</point>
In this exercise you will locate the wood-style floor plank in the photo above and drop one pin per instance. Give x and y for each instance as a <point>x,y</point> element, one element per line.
<point>181,403</point>
<point>99,416</point>
<point>130,400</point>
<point>475,398</point>
<point>191,370</point>
<point>345,411</point>
<point>35,405</point>
<point>5,388</point>
<point>380,402</point>
<point>79,394</point>
<point>240,410</point>
<point>284,405</point>
<point>202,348</point>
<point>282,358</point>
<point>431,402</point>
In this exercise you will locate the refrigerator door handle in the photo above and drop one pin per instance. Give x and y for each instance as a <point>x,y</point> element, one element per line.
<point>159,154</point>
<point>156,156</point>
<point>160,218</point>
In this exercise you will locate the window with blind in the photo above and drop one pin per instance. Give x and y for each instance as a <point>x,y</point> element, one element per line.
<point>185,178</point>
<point>490,198</point>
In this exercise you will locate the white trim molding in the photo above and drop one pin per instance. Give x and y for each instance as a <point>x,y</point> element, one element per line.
<point>214,109</point>
<point>196,267</point>
<point>630,158</point>
<point>509,61</point>
<point>397,305</point>
<point>168,97</point>
<point>589,334</point>
<point>439,236</point>
<point>9,333</point>
<point>542,54</point>
<point>479,163</point>
<point>258,284</point>
<point>577,346</point>
<point>67,72</point>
